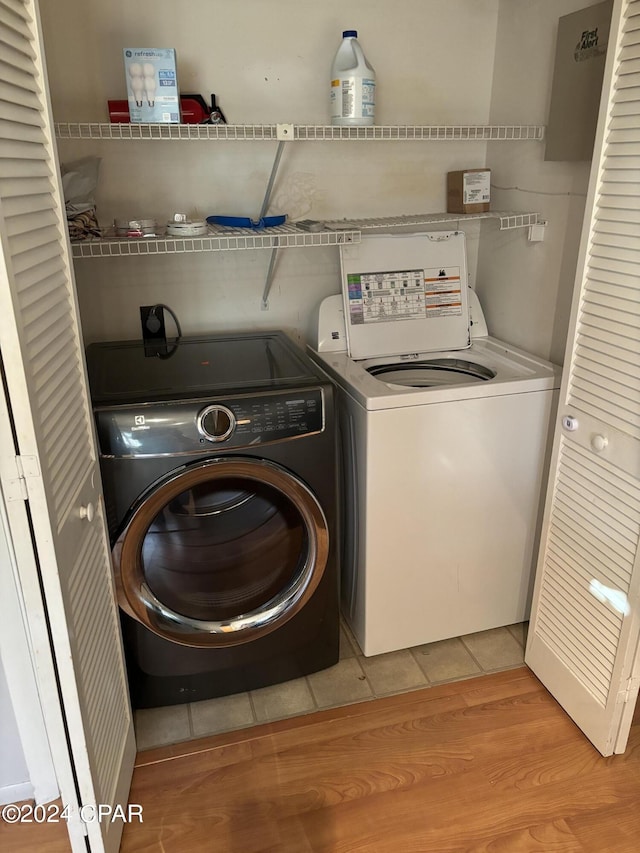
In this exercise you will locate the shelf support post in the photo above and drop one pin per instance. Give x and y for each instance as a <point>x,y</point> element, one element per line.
<point>284,132</point>
<point>272,178</point>
<point>269,281</point>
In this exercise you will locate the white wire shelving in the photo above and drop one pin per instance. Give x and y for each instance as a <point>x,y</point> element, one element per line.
<point>508,220</point>
<point>219,239</point>
<point>261,132</point>
<point>288,236</point>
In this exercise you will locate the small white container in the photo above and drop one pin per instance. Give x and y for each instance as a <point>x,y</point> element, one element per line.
<point>353,84</point>
<point>136,227</point>
<point>188,228</point>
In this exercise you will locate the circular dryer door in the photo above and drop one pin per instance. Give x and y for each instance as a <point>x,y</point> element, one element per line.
<point>221,552</point>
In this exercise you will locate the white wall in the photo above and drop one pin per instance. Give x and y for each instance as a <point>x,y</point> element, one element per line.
<point>267,62</point>
<point>526,287</point>
<point>26,766</point>
<point>14,774</point>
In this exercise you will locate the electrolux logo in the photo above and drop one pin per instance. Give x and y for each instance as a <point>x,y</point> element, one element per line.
<point>140,423</point>
<point>588,47</point>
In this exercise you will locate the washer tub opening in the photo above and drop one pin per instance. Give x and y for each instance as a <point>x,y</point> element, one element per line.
<point>432,373</point>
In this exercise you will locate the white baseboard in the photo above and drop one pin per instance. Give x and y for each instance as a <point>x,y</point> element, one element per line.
<point>16,793</point>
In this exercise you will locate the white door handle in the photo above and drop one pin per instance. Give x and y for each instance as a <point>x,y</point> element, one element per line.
<point>87,512</point>
<point>599,442</point>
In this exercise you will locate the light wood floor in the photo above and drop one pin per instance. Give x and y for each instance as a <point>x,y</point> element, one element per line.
<point>488,765</point>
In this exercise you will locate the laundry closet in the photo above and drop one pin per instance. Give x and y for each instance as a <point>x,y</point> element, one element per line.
<point>460,64</point>
<point>477,63</point>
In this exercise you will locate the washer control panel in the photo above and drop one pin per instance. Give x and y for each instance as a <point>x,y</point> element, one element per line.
<point>192,426</point>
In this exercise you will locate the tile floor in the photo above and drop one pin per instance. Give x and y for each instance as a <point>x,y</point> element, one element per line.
<point>354,678</point>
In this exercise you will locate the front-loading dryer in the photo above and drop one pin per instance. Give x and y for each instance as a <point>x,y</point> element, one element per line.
<point>218,462</point>
<point>444,434</point>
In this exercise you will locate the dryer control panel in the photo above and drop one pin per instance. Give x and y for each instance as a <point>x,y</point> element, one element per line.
<point>192,426</point>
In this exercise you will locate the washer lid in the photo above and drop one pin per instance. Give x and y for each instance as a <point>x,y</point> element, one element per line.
<point>405,293</point>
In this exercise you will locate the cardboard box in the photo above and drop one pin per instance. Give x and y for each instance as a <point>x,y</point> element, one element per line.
<point>469,191</point>
<point>152,84</point>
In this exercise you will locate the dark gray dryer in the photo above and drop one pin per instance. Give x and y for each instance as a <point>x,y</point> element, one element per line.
<point>219,472</point>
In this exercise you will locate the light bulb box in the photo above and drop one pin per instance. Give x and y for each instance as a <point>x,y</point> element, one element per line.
<point>152,84</point>
<point>469,191</point>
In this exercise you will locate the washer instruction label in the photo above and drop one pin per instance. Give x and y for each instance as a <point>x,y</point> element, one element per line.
<point>378,297</point>
<point>383,297</point>
<point>443,292</point>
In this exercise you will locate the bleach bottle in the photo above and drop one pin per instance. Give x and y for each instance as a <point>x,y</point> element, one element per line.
<point>353,84</point>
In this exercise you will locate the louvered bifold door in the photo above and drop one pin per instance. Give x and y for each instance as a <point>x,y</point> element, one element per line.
<point>583,636</point>
<point>44,364</point>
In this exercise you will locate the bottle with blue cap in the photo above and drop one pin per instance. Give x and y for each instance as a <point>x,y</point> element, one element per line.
<point>353,84</point>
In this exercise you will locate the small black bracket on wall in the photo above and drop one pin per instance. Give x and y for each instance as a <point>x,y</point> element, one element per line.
<point>154,334</point>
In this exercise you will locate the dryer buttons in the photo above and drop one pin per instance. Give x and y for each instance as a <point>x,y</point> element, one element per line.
<point>216,423</point>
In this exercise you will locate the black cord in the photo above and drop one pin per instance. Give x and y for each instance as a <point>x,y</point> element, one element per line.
<point>173,349</point>
<point>173,316</point>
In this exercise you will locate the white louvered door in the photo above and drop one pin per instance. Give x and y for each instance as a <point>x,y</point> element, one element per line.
<point>585,625</point>
<point>42,354</point>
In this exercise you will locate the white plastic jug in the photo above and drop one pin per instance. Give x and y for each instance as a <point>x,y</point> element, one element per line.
<point>353,84</point>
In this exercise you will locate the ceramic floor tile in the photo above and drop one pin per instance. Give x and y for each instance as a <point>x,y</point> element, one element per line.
<point>282,700</point>
<point>496,649</point>
<point>162,726</point>
<point>221,715</point>
<point>345,682</point>
<point>348,647</point>
<point>446,660</point>
<point>394,672</point>
<point>354,679</point>
<point>520,631</point>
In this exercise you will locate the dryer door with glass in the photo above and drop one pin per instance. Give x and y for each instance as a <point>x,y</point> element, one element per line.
<point>221,552</point>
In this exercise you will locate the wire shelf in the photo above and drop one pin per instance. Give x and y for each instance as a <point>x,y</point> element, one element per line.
<point>288,236</point>
<point>435,133</point>
<point>432,133</point>
<point>219,239</point>
<point>98,130</point>
<point>508,220</point>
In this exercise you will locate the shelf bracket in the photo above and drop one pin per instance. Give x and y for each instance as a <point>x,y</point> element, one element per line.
<point>265,207</point>
<point>269,281</point>
<point>272,178</point>
<point>537,232</point>
<point>285,131</point>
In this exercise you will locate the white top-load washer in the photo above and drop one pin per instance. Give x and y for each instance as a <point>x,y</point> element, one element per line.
<point>444,435</point>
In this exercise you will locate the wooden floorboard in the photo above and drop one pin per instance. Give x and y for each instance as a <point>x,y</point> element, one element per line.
<point>33,837</point>
<point>488,765</point>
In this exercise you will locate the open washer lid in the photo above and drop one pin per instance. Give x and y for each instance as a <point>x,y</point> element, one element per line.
<point>405,293</point>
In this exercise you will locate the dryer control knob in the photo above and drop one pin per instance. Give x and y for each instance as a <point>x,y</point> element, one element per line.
<point>216,423</point>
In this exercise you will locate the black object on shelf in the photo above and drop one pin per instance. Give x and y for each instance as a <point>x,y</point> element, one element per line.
<point>216,116</point>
